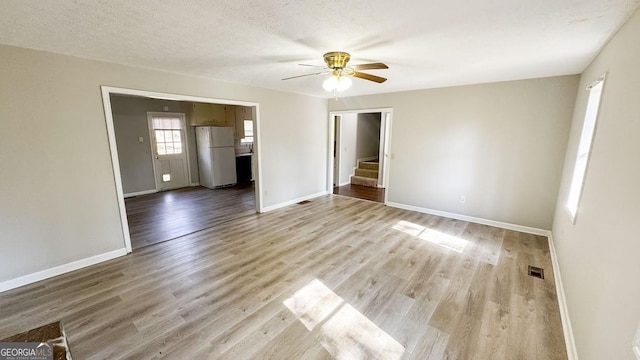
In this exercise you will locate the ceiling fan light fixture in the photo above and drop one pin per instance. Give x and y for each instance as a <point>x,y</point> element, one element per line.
<point>337,83</point>
<point>344,82</point>
<point>331,83</point>
<point>342,74</point>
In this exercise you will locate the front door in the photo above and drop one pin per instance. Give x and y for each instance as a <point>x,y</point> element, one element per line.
<point>169,149</point>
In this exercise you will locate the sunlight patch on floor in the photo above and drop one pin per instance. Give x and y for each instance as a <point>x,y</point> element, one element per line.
<point>347,334</point>
<point>313,303</point>
<point>408,228</point>
<point>351,335</point>
<point>445,240</point>
<point>433,236</point>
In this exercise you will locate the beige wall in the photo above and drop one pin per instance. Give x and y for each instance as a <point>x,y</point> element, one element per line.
<point>500,145</point>
<point>368,136</point>
<point>58,201</point>
<point>130,122</point>
<point>348,146</point>
<point>600,255</point>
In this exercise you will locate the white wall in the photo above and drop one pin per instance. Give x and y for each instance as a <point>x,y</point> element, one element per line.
<point>368,137</point>
<point>501,145</point>
<point>348,146</point>
<point>130,122</point>
<point>58,201</point>
<point>599,256</point>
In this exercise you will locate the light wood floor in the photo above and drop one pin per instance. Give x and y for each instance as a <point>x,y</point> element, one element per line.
<point>333,278</point>
<point>170,214</point>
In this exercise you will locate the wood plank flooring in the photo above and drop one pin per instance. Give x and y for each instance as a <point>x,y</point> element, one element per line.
<point>360,192</point>
<point>166,215</point>
<point>333,278</point>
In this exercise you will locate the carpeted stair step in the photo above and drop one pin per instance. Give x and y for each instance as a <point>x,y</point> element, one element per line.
<point>368,165</point>
<point>367,173</point>
<point>364,181</point>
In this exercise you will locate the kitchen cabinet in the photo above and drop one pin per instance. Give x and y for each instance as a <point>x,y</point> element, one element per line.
<point>219,115</point>
<point>230,118</point>
<point>201,114</point>
<point>247,112</point>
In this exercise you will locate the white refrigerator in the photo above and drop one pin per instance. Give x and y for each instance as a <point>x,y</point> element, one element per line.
<point>216,156</point>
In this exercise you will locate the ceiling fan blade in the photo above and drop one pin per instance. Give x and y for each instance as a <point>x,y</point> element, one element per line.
<point>317,66</point>
<point>369,77</point>
<point>299,76</point>
<point>370,66</point>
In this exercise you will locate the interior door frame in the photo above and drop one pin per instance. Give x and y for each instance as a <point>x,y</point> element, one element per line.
<point>107,91</point>
<point>387,142</point>
<point>183,125</point>
<point>337,122</point>
<point>385,148</point>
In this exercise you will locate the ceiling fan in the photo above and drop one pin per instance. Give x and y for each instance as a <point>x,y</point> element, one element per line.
<point>341,74</point>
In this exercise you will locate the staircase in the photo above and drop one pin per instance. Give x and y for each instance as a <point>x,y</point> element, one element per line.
<point>366,174</point>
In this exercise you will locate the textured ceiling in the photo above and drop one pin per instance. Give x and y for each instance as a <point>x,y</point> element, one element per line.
<point>426,43</point>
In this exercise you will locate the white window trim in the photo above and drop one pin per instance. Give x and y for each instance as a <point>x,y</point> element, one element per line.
<point>574,214</point>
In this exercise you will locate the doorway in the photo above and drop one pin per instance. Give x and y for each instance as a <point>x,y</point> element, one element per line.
<point>167,134</point>
<point>170,159</point>
<point>359,158</point>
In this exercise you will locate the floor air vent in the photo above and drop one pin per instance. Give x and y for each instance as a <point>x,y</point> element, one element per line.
<point>536,272</point>
<point>304,202</point>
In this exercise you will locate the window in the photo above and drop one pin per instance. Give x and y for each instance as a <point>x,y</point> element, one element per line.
<point>636,344</point>
<point>168,135</point>
<point>584,147</point>
<point>248,132</point>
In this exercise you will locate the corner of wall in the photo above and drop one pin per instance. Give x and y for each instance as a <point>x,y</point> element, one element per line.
<point>572,352</point>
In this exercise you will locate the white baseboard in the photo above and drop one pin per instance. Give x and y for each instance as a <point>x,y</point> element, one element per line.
<point>294,201</point>
<point>138,193</point>
<point>195,184</point>
<point>503,225</point>
<point>570,343</point>
<point>59,270</point>
<point>344,183</point>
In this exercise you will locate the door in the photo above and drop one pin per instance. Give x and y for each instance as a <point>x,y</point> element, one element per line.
<point>169,149</point>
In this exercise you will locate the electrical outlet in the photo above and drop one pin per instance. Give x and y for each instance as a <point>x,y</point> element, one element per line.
<point>463,199</point>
